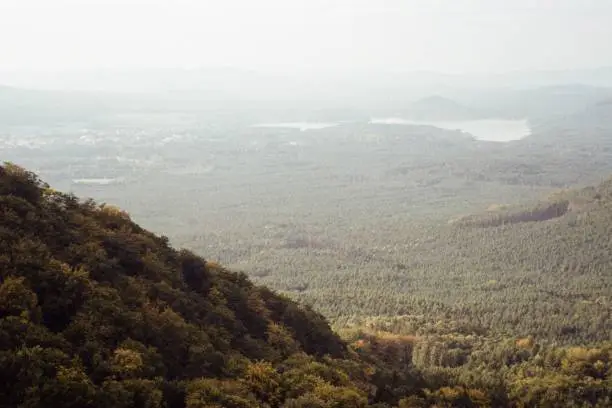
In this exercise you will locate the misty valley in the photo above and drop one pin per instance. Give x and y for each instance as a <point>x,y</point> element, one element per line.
<point>460,247</point>
<point>311,208</point>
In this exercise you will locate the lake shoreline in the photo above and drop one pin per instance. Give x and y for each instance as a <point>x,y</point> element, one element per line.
<point>490,130</point>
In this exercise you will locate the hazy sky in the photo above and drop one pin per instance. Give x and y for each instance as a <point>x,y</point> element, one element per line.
<point>394,35</point>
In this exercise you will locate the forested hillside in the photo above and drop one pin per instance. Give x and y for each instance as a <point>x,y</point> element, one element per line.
<point>540,269</point>
<point>97,312</point>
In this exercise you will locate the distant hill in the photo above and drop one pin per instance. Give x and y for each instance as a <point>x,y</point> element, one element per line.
<point>193,94</point>
<point>20,106</point>
<point>439,108</point>
<point>221,83</point>
<point>539,102</point>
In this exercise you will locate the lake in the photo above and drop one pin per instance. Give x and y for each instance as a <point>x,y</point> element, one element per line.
<point>494,130</point>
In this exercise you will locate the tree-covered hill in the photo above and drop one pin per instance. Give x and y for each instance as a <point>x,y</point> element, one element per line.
<point>97,312</point>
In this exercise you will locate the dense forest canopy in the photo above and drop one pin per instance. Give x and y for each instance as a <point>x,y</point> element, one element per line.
<point>95,311</point>
<point>538,269</point>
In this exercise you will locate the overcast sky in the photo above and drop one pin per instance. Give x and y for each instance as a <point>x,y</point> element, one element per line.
<point>277,35</point>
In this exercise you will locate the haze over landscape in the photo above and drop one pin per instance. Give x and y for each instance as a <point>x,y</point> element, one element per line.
<point>373,204</point>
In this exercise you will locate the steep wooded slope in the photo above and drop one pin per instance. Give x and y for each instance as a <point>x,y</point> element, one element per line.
<point>96,311</point>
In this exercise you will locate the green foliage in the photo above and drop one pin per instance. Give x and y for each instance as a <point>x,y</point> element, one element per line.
<point>97,312</point>
<point>537,270</point>
<point>16,299</point>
